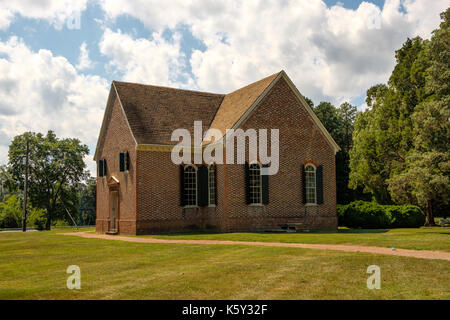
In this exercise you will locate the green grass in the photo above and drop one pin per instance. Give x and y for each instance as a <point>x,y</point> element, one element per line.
<point>433,238</point>
<point>33,266</point>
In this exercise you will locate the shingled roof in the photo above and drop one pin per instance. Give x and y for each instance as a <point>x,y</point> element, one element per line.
<point>154,112</point>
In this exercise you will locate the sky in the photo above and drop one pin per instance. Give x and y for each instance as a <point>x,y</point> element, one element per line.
<point>58,57</point>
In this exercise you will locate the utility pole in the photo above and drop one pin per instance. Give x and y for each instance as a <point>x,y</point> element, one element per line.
<point>25,187</point>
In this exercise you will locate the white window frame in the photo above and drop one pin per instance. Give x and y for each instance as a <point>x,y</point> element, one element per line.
<point>254,187</point>
<point>212,165</point>
<point>186,188</point>
<point>309,188</point>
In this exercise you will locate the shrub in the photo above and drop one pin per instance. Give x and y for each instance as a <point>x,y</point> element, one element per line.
<point>11,213</point>
<point>406,216</point>
<point>370,215</point>
<point>36,219</point>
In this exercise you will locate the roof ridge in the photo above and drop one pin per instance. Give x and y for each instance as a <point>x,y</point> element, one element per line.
<point>170,88</point>
<point>253,83</point>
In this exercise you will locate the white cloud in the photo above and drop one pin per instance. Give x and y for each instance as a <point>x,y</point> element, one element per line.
<point>330,53</point>
<point>155,61</point>
<point>84,62</point>
<point>56,12</point>
<point>40,91</point>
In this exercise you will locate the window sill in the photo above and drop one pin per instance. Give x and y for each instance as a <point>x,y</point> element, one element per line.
<point>190,207</point>
<point>211,206</point>
<point>311,204</point>
<point>256,205</point>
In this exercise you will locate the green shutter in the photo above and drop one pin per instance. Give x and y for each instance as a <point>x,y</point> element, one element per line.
<point>319,184</point>
<point>127,167</point>
<point>105,168</point>
<point>182,200</point>
<point>202,187</point>
<point>302,168</point>
<point>215,184</point>
<point>265,187</point>
<point>122,162</point>
<point>247,183</point>
<point>100,168</point>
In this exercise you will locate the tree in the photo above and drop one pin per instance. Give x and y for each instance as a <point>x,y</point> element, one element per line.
<point>87,207</point>
<point>383,135</point>
<point>346,114</point>
<point>427,176</point>
<point>309,101</point>
<point>328,115</point>
<point>6,183</point>
<point>339,123</point>
<point>56,169</point>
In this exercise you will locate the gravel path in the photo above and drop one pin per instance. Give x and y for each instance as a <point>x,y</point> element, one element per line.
<point>423,254</point>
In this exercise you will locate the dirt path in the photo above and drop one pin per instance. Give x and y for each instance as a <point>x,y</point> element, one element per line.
<point>423,254</point>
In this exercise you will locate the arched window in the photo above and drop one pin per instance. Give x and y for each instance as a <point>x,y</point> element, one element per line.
<point>310,184</point>
<point>255,183</point>
<point>190,185</point>
<point>212,185</point>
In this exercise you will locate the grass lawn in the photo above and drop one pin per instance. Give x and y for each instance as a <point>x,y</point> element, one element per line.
<point>433,238</point>
<point>33,266</point>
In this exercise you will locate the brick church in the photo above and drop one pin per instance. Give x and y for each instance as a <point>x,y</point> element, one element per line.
<point>140,190</point>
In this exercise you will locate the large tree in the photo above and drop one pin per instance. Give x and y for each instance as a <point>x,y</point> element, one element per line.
<point>383,134</point>
<point>426,178</point>
<point>55,171</point>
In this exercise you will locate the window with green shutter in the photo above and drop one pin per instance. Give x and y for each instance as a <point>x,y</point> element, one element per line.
<point>190,183</point>
<point>310,184</point>
<point>253,183</point>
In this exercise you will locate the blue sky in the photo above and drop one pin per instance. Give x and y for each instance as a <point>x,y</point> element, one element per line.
<point>54,76</point>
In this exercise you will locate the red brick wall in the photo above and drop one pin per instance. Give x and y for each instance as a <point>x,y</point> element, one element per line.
<point>117,139</point>
<point>300,141</point>
<point>158,202</point>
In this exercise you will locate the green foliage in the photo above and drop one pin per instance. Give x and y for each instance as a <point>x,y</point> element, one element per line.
<point>370,215</point>
<point>339,123</point>
<point>426,178</point>
<point>11,213</point>
<point>383,134</point>
<point>328,115</point>
<point>55,172</point>
<point>401,144</point>
<point>87,208</point>
<point>406,216</point>
<point>309,102</point>
<point>36,219</point>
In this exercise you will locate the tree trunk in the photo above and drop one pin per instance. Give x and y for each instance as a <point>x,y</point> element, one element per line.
<point>429,221</point>
<point>49,219</point>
